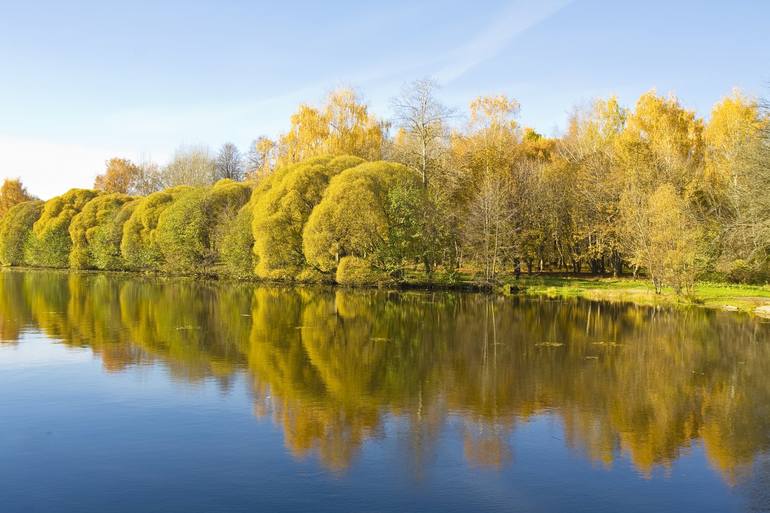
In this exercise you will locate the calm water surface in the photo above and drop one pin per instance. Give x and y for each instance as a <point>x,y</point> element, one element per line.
<point>124,394</point>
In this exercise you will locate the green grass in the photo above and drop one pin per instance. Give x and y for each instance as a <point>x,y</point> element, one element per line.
<point>706,294</point>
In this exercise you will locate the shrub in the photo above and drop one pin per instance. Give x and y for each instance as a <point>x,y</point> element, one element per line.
<point>190,231</point>
<point>355,271</point>
<point>95,221</point>
<point>50,243</point>
<point>16,229</point>
<point>105,244</point>
<point>237,248</point>
<point>139,246</point>
<point>360,215</point>
<point>281,208</point>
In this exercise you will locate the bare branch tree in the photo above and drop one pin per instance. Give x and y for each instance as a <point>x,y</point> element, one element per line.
<point>229,163</point>
<point>422,120</point>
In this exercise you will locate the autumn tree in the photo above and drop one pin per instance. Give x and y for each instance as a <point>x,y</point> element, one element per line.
<point>662,142</point>
<point>486,152</point>
<point>120,176</point>
<point>12,192</point>
<point>662,237</point>
<point>735,186</point>
<point>366,213</point>
<point>591,146</point>
<point>149,179</point>
<point>342,126</point>
<point>261,158</point>
<point>191,165</point>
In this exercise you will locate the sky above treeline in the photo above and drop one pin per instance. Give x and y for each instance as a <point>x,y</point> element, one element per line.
<point>85,81</point>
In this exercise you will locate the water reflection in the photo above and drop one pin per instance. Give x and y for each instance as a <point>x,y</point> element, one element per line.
<point>330,366</point>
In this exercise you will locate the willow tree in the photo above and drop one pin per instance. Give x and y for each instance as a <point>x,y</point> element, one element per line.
<point>140,246</point>
<point>50,243</point>
<point>104,245</point>
<point>16,230</point>
<point>282,206</point>
<point>364,221</point>
<point>94,222</point>
<point>236,249</point>
<point>190,230</point>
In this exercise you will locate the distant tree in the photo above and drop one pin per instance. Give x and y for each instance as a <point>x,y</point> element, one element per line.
<point>150,179</point>
<point>229,163</point>
<point>12,193</point>
<point>261,158</point>
<point>120,176</point>
<point>422,121</point>
<point>191,165</point>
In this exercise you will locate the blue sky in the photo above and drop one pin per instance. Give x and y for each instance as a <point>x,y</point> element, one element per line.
<point>84,81</point>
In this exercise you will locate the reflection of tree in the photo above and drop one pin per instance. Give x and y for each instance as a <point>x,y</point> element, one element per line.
<point>331,366</point>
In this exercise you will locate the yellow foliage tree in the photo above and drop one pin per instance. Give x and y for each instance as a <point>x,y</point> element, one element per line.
<point>12,193</point>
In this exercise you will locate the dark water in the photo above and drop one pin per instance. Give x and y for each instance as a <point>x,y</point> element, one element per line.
<point>123,394</point>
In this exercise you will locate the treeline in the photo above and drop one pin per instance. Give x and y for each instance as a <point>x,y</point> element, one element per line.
<point>345,196</point>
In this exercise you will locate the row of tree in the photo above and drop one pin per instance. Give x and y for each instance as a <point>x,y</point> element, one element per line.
<point>653,189</point>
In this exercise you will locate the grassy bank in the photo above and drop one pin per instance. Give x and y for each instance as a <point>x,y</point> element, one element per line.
<point>746,298</point>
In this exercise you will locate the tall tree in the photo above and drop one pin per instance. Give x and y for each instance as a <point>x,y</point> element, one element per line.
<point>422,123</point>
<point>229,163</point>
<point>12,192</point>
<point>486,152</point>
<point>149,179</point>
<point>261,158</point>
<point>342,126</point>
<point>119,176</point>
<point>191,165</point>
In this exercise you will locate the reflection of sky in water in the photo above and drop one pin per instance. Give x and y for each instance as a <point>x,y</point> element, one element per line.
<point>36,350</point>
<point>121,411</point>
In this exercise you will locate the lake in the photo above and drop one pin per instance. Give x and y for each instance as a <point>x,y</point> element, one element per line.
<point>121,393</point>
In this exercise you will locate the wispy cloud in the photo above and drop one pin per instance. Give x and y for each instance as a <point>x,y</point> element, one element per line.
<point>517,18</point>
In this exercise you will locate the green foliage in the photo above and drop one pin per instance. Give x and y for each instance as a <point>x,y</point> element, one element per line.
<point>281,208</point>
<point>50,243</point>
<point>139,245</point>
<point>355,271</point>
<point>16,229</point>
<point>191,230</point>
<point>95,221</point>
<point>237,249</point>
<point>105,243</point>
<point>364,214</point>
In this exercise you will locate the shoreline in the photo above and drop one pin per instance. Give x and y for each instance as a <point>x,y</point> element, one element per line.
<point>751,299</point>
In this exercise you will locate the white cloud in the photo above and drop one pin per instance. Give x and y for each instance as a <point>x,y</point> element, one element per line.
<point>50,168</point>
